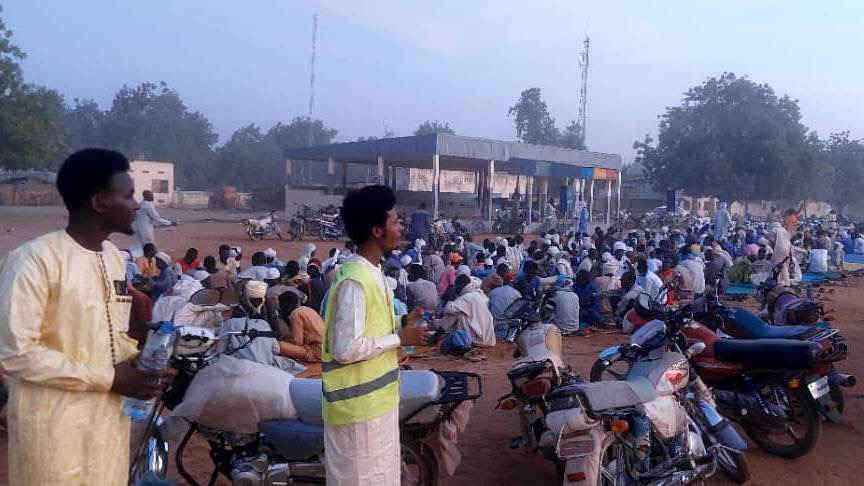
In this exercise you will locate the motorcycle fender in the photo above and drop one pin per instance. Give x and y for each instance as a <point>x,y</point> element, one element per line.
<point>569,420</point>
<point>585,469</point>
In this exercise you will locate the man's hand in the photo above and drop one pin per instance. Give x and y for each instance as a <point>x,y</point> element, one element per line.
<point>414,316</point>
<point>413,336</point>
<point>131,382</point>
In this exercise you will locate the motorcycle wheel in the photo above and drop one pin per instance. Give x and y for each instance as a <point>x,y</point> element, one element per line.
<point>278,231</point>
<point>612,470</point>
<point>805,415</point>
<point>322,234</point>
<point>419,465</point>
<point>613,371</point>
<point>734,465</point>
<point>254,235</point>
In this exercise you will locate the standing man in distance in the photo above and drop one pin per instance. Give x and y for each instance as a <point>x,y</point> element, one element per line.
<point>360,368</point>
<point>146,217</point>
<point>64,314</point>
<point>420,223</point>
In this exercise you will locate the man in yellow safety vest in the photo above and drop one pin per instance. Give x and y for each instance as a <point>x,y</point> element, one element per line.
<point>360,368</point>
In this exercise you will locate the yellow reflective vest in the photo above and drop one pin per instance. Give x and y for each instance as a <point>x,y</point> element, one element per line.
<point>357,392</point>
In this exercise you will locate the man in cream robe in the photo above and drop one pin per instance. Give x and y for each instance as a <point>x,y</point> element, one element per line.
<point>64,315</point>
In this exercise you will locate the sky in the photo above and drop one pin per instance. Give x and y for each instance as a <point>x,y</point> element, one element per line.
<point>396,63</point>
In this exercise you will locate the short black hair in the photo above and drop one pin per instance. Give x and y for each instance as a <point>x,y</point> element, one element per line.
<point>289,300</point>
<point>210,262</point>
<point>258,258</point>
<point>88,172</point>
<point>148,247</point>
<point>364,209</point>
<point>416,272</point>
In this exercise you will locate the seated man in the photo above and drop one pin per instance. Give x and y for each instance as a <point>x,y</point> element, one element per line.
<point>500,299</point>
<point>307,330</point>
<point>189,261</point>
<point>421,292</point>
<point>147,264</point>
<point>166,279</point>
<point>469,312</point>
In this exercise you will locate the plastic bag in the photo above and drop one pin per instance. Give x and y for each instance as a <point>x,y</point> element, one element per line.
<point>235,395</point>
<point>456,343</point>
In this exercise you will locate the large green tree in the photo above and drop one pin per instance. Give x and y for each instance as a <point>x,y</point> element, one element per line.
<point>152,122</point>
<point>31,117</point>
<point>734,139</point>
<point>533,122</point>
<point>85,125</point>
<point>297,133</point>
<point>845,157</point>
<point>430,127</point>
<point>250,160</point>
<point>572,137</point>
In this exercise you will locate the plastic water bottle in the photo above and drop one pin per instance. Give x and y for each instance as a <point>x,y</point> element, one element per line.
<point>157,351</point>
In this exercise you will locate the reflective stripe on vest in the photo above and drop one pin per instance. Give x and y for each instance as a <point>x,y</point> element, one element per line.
<point>363,388</point>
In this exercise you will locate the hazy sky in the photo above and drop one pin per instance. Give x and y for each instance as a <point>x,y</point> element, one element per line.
<point>399,62</point>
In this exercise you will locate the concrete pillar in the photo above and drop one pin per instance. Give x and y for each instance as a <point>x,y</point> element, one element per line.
<point>344,174</point>
<point>529,194</point>
<point>489,185</point>
<point>287,186</point>
<point>380,170</point>
<point>436,174</point>
<point>544,187</point>
<point>619,196</point>
<point>392,181</point>
<point>591,203</point>
<point>608,201</point>
<point>331,166</point>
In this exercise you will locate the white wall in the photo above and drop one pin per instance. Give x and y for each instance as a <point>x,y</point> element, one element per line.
<point>144,172</point>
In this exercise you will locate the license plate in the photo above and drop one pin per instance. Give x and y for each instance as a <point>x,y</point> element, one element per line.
<point>819,387</point>
<point>575,444</point>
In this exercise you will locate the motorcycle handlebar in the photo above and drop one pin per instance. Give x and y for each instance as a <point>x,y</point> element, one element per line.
<point>254,333</point>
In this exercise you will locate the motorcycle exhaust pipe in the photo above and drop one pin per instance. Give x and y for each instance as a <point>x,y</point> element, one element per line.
<point>747,406</point>
<point>721,429</point>
<point>842,379</point>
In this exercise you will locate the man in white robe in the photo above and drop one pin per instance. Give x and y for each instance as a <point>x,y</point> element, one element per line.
<point>64,348</point>
<point>145,219</point>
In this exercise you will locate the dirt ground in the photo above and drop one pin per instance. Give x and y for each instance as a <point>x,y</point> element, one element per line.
<point>486,457</point>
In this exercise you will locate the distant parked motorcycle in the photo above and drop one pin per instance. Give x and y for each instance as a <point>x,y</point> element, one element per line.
<point>257,229</point>
<point>783,306</point>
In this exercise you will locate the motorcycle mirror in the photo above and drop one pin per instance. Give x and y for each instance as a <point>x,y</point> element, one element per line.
<point>205,297</point>
<point>695,349</point>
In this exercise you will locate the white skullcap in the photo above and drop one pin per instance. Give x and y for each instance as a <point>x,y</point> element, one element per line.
<point>606,256</point>
<point>619,245</point>
<point>161,255</point>
<point>419,243</point>
<point>610,268</point>
<point>463,270</point>
<point>547,242</point>
<point>396,252</point>
<point>308,248</point>
<point>200,275</point>
<point>405,260</point>
<point>273,274</point>
<point>270,253</point>
<point>256,289</point>
<point>391,282</point>
<point>553,251</point>
<point>489,262</point>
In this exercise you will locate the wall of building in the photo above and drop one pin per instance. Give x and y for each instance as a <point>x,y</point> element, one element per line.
<point>154,176</point>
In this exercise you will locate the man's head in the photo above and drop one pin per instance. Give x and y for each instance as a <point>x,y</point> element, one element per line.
<point>147,195</point>
<point>416,272</point>
<point>641,267</point>
<point>481,257</point>
<point>628,280</point>
<point>149,250</point>
<point>369,216</point>
<point>502,269</point>
<point>210,264</point>
<point>292,268</point>
<point>95,184</point>
<point>224,252</point>
<point>259,259</point>
<point>530,269</point>
<point>191,255</point>
<point>163,260</point>
<point>255,292</point>
<point>288,302</point>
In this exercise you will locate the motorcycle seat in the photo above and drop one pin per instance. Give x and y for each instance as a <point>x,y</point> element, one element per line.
<point>416,389</point>
<point>756,328</point>
<point>607,395</point>
<point>294,439</point>
<point>779,354</point>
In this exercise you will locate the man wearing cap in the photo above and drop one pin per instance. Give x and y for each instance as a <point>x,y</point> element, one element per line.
<point>448,277</point>
<point>261,350</point>
<point>146,217</point>
<point>227,263</point>
<point>167,277</point>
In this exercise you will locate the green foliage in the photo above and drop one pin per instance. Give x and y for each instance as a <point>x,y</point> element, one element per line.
<point>845,157</point>
<point>249,160</point>
<point>296,133</point>
<point>736,140</point>
<point>31,126</point>
<point>533,122</point>
<point>430,127</point>
<point>572,137</point>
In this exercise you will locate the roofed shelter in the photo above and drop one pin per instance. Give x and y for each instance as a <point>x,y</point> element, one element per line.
<point>576,171</point>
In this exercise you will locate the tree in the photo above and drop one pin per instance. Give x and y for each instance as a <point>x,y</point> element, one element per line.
<point>85,125</point>
<point>31,126</point>
<point>428,128</point>
<point>572,137</point>
<point>733,139</point>
<point>845,157</point>
<point>296,133</point>
<point>533,122</point>
<point>249,160</point>
<point>152,122</point>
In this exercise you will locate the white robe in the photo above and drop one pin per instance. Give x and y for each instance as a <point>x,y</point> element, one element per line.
<point>65,427</point>
<point>145,219</point>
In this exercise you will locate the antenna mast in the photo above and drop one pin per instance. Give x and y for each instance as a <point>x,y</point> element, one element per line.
<point>583,94</point>
<point>312,74</point>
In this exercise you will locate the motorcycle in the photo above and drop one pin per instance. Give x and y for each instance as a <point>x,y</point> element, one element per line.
<point>329,227</point>
<point>289,450</point>
<point>257,229</point>
<point>775,388</point>
<point>655,423</point>
<point>539,369</point>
